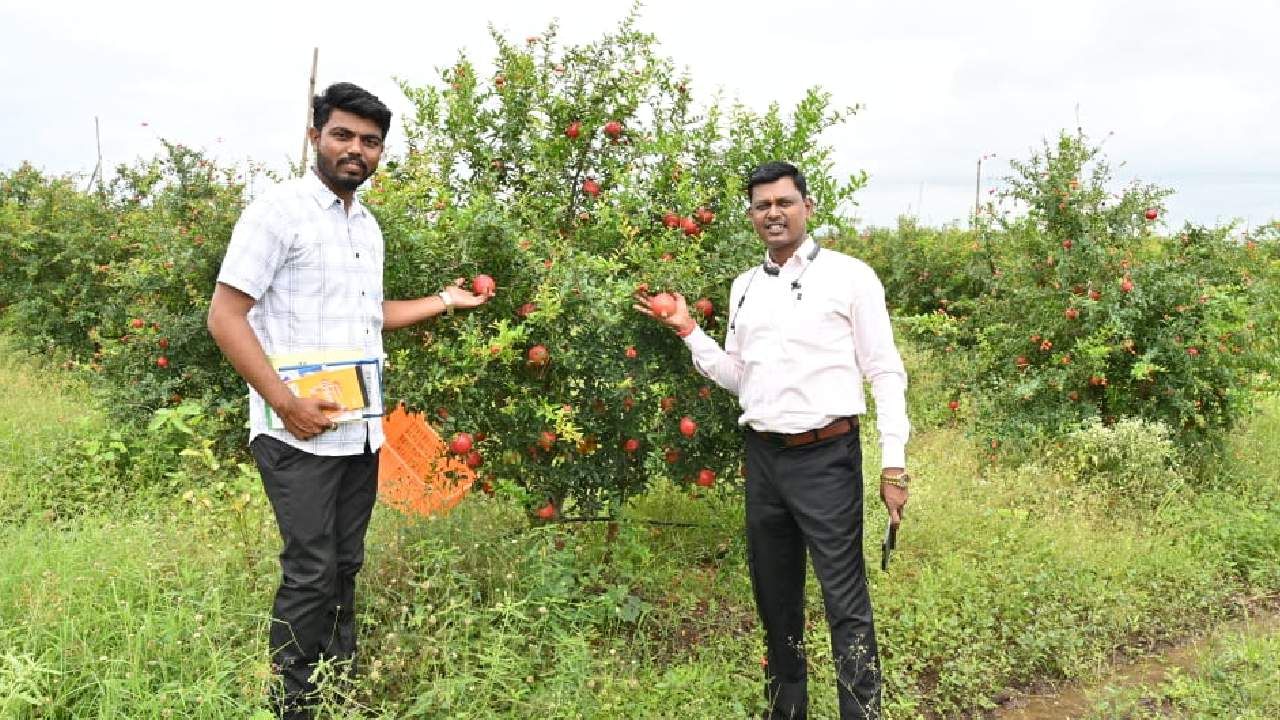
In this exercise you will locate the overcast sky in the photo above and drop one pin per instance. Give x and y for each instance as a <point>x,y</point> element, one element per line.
<point>1185,92</point>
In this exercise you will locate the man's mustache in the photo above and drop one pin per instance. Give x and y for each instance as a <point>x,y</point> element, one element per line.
<point>356,160</point>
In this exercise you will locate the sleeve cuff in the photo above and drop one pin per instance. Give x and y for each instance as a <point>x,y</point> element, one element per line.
<point>700,343</point>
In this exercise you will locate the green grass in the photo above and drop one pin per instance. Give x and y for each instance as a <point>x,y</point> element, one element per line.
<point>1012,578</point>
<point>44,416</point>
<point>156,606</point>
<point>129,619</point>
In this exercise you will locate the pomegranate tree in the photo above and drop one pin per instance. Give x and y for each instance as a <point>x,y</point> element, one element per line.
<point>570,387</point>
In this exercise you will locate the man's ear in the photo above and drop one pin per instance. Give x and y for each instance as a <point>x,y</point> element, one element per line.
<point>314,136</point>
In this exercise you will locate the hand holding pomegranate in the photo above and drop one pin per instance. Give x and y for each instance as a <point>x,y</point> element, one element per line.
<point>670,309</point>
<point>483,288</point>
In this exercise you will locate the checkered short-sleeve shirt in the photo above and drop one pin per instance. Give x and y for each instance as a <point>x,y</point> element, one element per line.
<point>315,271</point>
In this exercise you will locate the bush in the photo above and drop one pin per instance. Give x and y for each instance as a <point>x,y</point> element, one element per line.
<point>924,270</point>
<point>176,216</point>
<point>1090,313</point>
<point>1131,460</point>
<point>120,279</point>
<point>573,176</point>
<point>53,240</point>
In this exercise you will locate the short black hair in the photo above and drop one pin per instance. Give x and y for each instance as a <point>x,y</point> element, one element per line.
<point>777,170</point>
<point>355,100</point>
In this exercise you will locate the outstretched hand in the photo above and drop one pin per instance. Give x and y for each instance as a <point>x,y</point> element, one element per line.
<point>678,320</point>
<point>464,298</point>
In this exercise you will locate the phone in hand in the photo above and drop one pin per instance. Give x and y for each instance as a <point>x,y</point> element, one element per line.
<point>888,544</point>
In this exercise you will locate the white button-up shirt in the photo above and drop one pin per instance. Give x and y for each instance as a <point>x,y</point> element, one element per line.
<point>315,270</point>
<point>796,358</point>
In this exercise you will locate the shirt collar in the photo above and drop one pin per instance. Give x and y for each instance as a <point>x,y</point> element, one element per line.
<point>325,197</point>
<point>799,258</point>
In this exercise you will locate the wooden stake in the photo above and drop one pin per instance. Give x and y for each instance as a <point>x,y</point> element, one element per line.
<point>311,93</point>
<point>977,194</point>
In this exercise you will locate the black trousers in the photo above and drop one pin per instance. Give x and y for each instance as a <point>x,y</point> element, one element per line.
<point>808,499</point>
<point>322,505</point>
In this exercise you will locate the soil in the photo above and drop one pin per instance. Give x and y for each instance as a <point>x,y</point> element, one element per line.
<point>1073,701</point>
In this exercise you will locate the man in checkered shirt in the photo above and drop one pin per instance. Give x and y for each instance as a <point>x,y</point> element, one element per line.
<point>303,276</point>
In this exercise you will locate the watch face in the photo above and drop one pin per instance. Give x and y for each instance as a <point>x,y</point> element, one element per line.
<point>898,480</point>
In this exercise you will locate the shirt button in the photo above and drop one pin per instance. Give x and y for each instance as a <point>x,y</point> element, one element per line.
<point>357,256</point>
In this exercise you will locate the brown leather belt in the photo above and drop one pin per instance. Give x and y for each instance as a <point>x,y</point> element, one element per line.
<point>835,428</point>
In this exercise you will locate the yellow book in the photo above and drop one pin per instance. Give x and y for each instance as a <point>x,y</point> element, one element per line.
<point>342,377</point>
<point>343,385</point>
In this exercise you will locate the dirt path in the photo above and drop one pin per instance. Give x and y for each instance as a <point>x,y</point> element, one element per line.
<point>1071,702</point>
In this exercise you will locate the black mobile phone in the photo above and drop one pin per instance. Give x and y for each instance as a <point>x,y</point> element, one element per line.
<point>888,544</point>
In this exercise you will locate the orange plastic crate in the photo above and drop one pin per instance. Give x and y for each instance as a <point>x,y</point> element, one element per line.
<point>416,475</point>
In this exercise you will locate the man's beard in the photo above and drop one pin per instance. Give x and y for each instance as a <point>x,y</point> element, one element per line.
<point>338,180</point>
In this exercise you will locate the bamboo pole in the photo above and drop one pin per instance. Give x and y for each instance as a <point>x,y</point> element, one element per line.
<point>311,93</point>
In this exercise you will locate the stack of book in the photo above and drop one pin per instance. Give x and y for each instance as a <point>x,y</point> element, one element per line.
<point>353,383</point>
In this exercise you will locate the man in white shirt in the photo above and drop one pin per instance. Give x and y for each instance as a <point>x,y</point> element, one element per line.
<point>806,327</point>
<point>302,278</point>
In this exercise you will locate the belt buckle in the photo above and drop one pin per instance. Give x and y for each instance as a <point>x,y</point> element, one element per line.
<point>835,428</point>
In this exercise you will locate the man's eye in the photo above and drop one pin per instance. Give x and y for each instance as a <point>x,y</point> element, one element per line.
<point>372,143</point>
